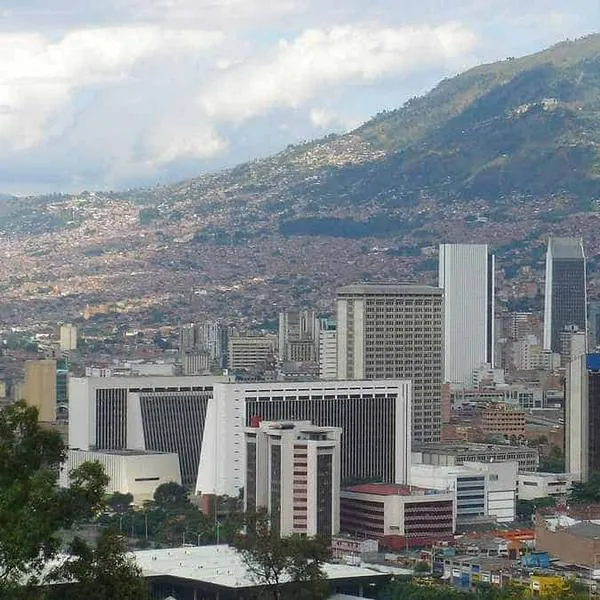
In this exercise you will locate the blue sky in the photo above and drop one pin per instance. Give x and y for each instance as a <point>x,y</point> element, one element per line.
<point>109,94</point>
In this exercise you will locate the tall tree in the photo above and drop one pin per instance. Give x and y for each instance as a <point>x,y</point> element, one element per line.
<point>288,567</point>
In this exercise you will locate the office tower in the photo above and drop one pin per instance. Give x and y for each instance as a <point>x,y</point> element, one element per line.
<point>298,336</point>
<point>573,343</point>
<point>187,337</point>
<point>593,324</point>
<point>68,337</point>
<point>251,352</point>
<point>195,362</point>
<point>211,337</point>
<point>327,349</point>
<point>565,295</point>
<point>374,417</point>
<point>583,416</point>
<point>293,471</point>
<point>395,331</point>
<point>151,413</point>
<point>39,388</point>
<point>466,274</point>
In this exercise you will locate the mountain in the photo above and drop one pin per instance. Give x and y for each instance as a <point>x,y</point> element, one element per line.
<point>505,153</point>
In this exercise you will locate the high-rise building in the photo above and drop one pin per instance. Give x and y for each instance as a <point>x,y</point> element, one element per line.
<point>251,352</point>
<point>293,470</point>
<point>68,337</point>
<point>573,343</point>
<point>328,349</point>
<point>298,336</point>
<point>39,388</point>
<point>466,274</point>
<point>396,332</point>
<point>583,416</point>
<point>593,325</point>
<point>149,413</point>
<point>208,338</point>
<point>373,415</point>
<point>565,289</point>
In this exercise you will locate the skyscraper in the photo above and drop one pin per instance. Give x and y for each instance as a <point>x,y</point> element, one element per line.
<point>583,416</point>
<point>565,296</point>
<point>298,336</point>
<point>387,331</point>
<point>466,274</point>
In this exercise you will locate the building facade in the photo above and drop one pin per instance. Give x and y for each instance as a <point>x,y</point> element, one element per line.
<point>466,274</point>
<point>251,353</point>
<point>328,350</point>
<point>68,337</point>
<point>583,415</point>
<point>565,301</point>
<point>298,336</point>
<point>374,417</point>
<point>395,332</point>
<point>39,388</point>
<point>398,516</point>
<point>293,471</point>
<point>544,485</point>
<point>502,419</point>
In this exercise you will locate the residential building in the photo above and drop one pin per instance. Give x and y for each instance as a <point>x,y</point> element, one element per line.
<point>583,415</point>
<point>565,301</point>
<point>156,414</point>
<point>39,388</point>
<point>345,547</point>
<point>482,490</point>
<point>135,472</point>
<point>298,336</point>
<point>532,485</point>
<point>293,471</point>
<point>457,453</point>
<point>398,516</point>
<point>502,419</point>
<point>68,337</point>
<point>466,274</point>
<point>373,415</point>
<point>594,325</point>
<point>328,350</point>
<point>389,331</point>
<point>251,352</point>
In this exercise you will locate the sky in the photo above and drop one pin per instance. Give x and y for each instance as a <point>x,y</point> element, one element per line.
<point>111,94</point>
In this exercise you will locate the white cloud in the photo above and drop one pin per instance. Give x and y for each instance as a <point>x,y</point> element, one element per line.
<point>38,77</point>
<point>318,59</point>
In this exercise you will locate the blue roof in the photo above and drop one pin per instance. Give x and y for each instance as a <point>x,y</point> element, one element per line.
<point>592,361</point>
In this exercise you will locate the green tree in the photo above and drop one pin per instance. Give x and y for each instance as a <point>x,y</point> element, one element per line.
<point>586,492</point>
<point>120,503</point>
<point>288,567</point>
<point>169,496</point>
<point>103,573</point>
<point>525,509</point>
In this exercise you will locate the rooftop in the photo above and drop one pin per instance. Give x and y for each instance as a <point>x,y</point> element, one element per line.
<point>586,529</point>
<point>389,489</point>
<point>566,248</point>
<point>221,566</point>
<point>391,289</point>
<point>458,448</point>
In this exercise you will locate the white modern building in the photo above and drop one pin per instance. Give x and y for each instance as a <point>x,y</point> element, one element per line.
<point>466,274</point>
<point>134,472</point>
<point>373,415</point>
<point>565,301</point>
<point>293,471</point>
<point>396,332</point>
<point>481,489</point>
<point>532,485</point>
<point>328,354</point>
<point>157,414</point>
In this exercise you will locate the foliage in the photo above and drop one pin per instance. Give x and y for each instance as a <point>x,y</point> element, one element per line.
<point>103,573</point>
<point>555,463</point>
<point>288,567</point>
<point>120,503</point>
<point>586,492</point>
<point>526,508</point>
<point>32,508</point>
<point>171,495</point>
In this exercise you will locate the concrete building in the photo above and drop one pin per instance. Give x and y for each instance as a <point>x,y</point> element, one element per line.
<point>373,415</point>
<point>594,325</point>
<point>457,453</point>
<point>482,490</point>
<point>68,337</point>
<point>565,301</point>
<point>293,471</point>
<point>250,353</point>
<point>583,416</point>
<point>466,274</point>
<point>502,419</point>
<point>573,343</point>
<point>298,336</point>
<point>135,472</point>
<point>398,516</point>
<point>345,547</point>
<point>328,350</point>
<point>39,388</point>
<point>395,332</point>
<point>532,485</point>
<point>195,362</point>
<point>156,414</point>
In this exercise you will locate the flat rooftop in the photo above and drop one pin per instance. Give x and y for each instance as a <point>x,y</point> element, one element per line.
<point>458,448</point>
<point>390,289</point>
<point>390,489</point>
<point>566,248</point>
<point>124,452</point>
<point>222,566</point>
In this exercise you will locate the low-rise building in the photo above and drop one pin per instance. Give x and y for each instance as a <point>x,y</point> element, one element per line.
<point>503,420</point>
<point>251,352</point>
<point>344,546</point>
<point>466,572</point>
<point>135,472</point>
<point>533,485</point>
<point>399,516</point>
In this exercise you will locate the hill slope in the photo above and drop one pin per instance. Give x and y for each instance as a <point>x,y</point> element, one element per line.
<point>505,153</point>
